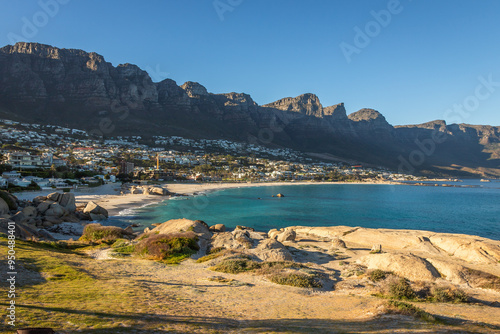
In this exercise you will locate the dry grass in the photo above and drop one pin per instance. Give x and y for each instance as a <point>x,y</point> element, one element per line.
<point>398,307</point>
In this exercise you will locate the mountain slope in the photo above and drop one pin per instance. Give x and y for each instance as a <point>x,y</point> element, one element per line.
<point>45,84</point>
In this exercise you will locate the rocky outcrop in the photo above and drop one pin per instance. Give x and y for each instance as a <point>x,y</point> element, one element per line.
<point>95,211</point>
<point>77,88</point>
<point>185,225</point>
<point>218,228</point>
<point>307,104</point>
<point>272,250</point>
<point>252,243</point>
<point>409,266</point>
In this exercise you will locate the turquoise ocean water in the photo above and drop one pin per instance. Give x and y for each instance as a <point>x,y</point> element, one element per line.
<point>473,211</point>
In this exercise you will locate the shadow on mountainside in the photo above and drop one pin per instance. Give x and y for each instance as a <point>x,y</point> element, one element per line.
<point>157,323</point>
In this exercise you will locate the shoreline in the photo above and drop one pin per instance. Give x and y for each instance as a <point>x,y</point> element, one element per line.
<point>116,204</point>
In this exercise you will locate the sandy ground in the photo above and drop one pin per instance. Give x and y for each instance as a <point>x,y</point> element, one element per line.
<point>255,305</point>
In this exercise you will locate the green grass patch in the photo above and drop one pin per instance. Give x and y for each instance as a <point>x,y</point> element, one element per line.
<point>123,247</point>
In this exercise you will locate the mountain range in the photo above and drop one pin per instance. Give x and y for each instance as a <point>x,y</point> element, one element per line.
<point>69,87</point>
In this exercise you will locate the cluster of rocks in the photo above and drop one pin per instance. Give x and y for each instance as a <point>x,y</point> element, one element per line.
<point>148,190</point>
<point>33,218</point>
<point>246,240</point>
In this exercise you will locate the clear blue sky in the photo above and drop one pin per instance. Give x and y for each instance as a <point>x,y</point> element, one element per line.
<point>427,59</point>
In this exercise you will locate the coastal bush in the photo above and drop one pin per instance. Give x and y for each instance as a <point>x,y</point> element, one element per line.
<point>296,280</point>
<point>398,307</point>
<point>101,234</point>
<point>378,275</point>
<point>169,248</point>
<point>236,266</point>
<point>448,295</point>
<point>401,289</point>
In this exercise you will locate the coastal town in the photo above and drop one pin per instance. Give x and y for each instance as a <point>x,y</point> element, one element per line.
<point>38,156</point>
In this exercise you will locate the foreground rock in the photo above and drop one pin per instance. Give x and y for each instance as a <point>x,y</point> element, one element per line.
<point>96,211</point>
<point>436,258</point>
<point>185,225</point>
<point>410,266</point>
<point>253,243</point>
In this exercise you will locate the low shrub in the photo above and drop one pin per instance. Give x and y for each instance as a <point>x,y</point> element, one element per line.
<point>170,248</point>
<point>401,289</point>
<point>295,279</point>
<point>101,234</point>
<point>448,295</point>
<point>236,266</point>
<point>378,275</point>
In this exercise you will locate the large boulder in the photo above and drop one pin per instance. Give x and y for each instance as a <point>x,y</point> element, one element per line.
<point>21,231</point>
<point>19,218</point>
<point>136,190</point>
<point>30,211</point>
<point>4,207</point>
<point>287,235</point>
<point>96,209</point>
<point>228,240</point>
<point>218,228</point>
<point>338,243</point>
<point>39,199</point>
<point>10,199</point>
<point>409,266</point>
<point>158,191</point>
<point>44,206</point>
<point>66,200</point>
<point>184,225</point>
<point>272,250</point>
<point>56,210</point>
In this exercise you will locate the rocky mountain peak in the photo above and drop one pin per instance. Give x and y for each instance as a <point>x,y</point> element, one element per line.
<point>194,89</point>
<point>366,114</point>
<point>307,104</point>
<point>336,111</point>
